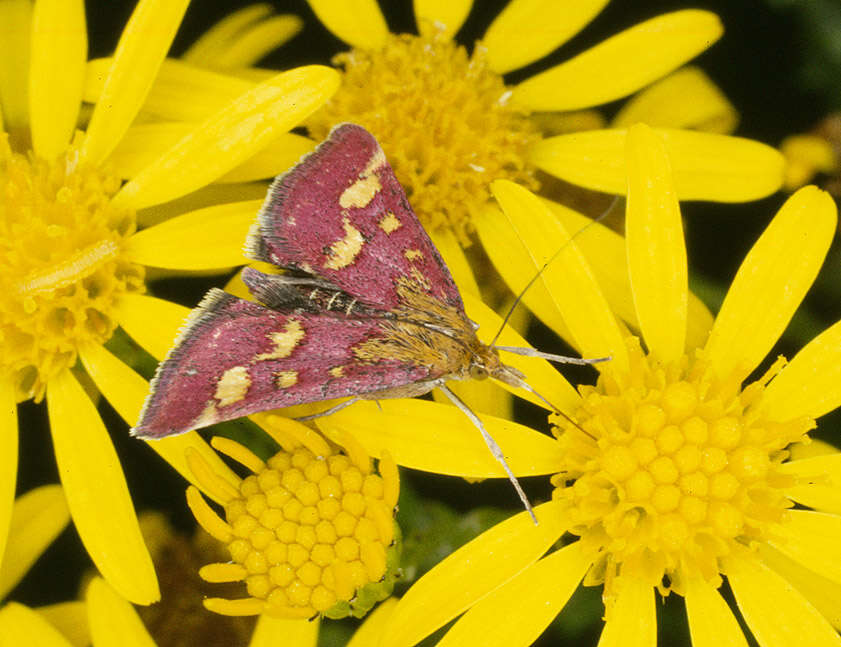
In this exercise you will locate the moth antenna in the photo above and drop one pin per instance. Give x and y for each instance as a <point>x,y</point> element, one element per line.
<point>531,282</point>
<point>525,385</point>
<point>496,450</point>
<point>330,411</point>
<point>562,359</point>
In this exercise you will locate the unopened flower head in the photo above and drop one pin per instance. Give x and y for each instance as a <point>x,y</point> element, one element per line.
<point>310,532</point>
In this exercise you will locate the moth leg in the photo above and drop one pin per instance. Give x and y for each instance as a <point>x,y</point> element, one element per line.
<point>496,450</point>
<point>331,410</point>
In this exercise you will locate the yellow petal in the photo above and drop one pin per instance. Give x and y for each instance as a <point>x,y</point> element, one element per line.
<point>151,322</point>
<point>143,45</point>
<point>513,260</point>
<point>482,396</point>
<point>8,462</point>
<point>526,30</point>
<point>441,16</point>
<point>528,602</point>
<point>439,438</point>
<point>605,251</point>
<point>822,593</point>
<point>37,519</point>
<point>256,41</point>
<point>15,31</point>
<point>231,136</point>
<point>622,64</point>
<point>807,155</point>
<point>276,158</point>
<point>776,613</point>
<point>359,23</point>
<point>810,385</point>
<point>126,391</point>
<point>56,73</point>
<point>656,251</point>
<point>113,621</point>
<point>204,239</point>
<point>96,492</point>
<point>368,634</point>
<point>207,197</point>
<point>20,625</point>
<point>771,282</point>
<point>704,166</point>
<point>821,486</point>
<point>273,632</point>
<point>632,620</point>
<point>470,573</point>
<point>214,41</point>
<point>568,277</point>
<point>685,99</point>
<point>711,622</point>
<point>143,143</point>
<point>181,92</point>
<point>71,619</point>
<point>812,539</point>
<point>540,374</point>
<point>452,252</point>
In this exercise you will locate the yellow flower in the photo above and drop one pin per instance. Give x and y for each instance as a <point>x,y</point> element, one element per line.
<point>811,153</point>
<point>675,473</point>
<point>311,532</point>
<point>105,619</point>
<point>449,123</point>
<point>72,262</point>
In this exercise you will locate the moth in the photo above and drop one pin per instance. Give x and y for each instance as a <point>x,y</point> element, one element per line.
<point>366,308</point>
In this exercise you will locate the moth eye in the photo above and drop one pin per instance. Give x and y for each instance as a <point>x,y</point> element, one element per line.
<point>478,372</point>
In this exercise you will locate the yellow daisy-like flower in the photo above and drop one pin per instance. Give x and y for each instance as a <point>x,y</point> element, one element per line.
<point>675,473</point>
<point>311,532</point>
<point>106,619</point>
<point>809,154</point>
<point>72,260</point>
<point>449,123</point>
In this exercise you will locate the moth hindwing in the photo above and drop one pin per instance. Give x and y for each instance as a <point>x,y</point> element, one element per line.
<point>367,307</point>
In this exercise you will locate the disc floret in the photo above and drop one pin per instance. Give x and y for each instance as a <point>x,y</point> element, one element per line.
<point>61,247</point>
<point>311,532</point>
<point>684,471</point>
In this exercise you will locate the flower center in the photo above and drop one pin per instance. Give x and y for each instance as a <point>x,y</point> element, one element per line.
<point>314,535</point>
<point>60,249</point>
<point>684,470</point>
<point>442,119</point>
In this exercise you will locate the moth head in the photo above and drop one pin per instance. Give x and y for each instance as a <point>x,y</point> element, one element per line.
<point>486,363</point>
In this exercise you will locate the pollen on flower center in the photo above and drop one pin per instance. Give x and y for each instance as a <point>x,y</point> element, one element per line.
<point>442,119</point>
<point>310,532</point>
<point>684,470</point>
<point>60,249</point>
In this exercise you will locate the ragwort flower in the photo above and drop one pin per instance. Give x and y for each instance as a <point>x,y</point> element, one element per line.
<point>448,122</point>
<point>311,532</point>
<point>72,261</point>
<point>675,473</point>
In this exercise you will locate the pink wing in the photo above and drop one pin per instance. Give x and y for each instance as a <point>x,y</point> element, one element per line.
<point>342,215</point>
<point>235,357</point>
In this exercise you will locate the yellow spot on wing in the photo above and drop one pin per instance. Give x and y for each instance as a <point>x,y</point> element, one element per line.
<point>232,386</point>
<point>376,161</point>
<point>344,251</point>
<point>284,341</point>
<point>337,371</point>
<point>390,223</point>
<point>413,254</point>
<point>361,192</point>
<point>285,379</point>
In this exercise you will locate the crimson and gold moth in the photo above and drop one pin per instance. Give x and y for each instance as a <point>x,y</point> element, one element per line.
<point>367,307</point>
